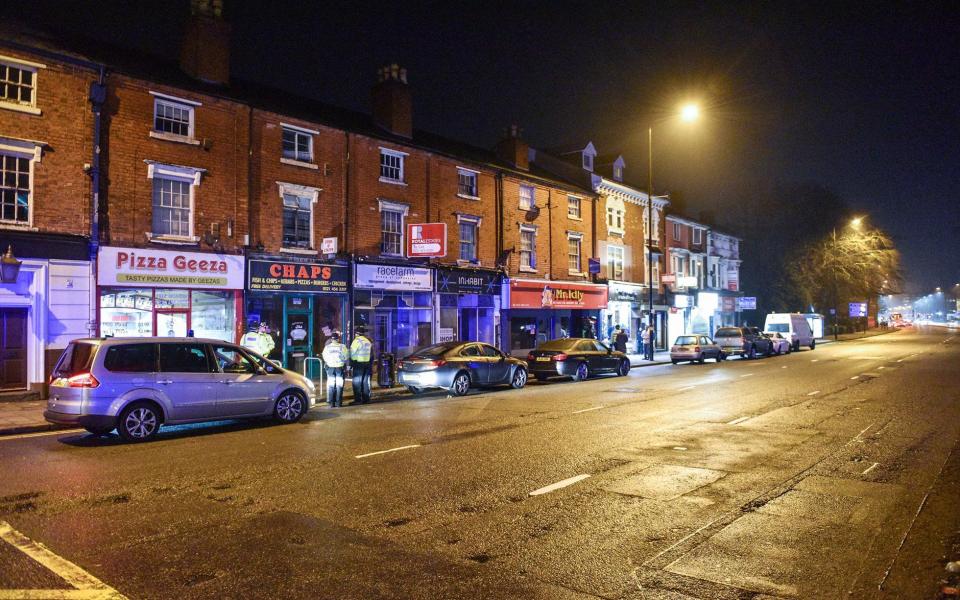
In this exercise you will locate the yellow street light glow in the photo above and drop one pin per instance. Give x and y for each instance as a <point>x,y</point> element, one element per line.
<point>856,221</point>
<point>690,112</point>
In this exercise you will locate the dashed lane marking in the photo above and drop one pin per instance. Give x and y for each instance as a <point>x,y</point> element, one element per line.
<point>680,448</point>
<point>387,451</point>
<point>814,393</point>
<point>583,410</point>
<point>854,377</point>
<point>814,360</point>
<point>558,485</point>
<point>878,368</point>
<point>747,375</point>
<point>689,387</point>
<point>20,436</point>
<point>86,586</point>
<point>736,421</point>
<point>870,468</point>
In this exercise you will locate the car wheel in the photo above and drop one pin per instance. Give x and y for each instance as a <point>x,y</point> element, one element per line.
<point>583,371</point>
<point>721,356</point>
<point>796,346</point>
<point>99,430</point>
<point>461,384</point>
<point>813,344</point>
<point>624,368</point>
<point>701,359</point>
<point>413,389</point>
<point>777,350</point>
<point>752,353</point>
<point>139,422</point>
<point>289,407</point>
<point>673,360</point>
<point>519,378</point>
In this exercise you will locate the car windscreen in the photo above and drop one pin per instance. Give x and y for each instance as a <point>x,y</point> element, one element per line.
<point>778,327</point>
<point>727,332</point>
<point>435,350</point>
<point>684,340</point>
<point>562,344</point>
<point>76,358</point>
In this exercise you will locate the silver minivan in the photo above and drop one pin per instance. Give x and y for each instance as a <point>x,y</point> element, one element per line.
<point>135,385</point>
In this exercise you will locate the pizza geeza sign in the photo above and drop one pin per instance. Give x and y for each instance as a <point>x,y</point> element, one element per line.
<point>165,268</point>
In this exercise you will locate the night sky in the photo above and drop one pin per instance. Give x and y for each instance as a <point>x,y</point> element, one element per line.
<point>860,98</point>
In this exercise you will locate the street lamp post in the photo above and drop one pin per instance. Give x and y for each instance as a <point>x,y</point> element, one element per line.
<point>855,223</point>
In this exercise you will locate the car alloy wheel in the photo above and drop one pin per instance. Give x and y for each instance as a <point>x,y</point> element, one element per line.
<point>753,352</point>
<point>582,372</point>
<point>139,423</point>
<point>289,407</point>
<point>461,384</point>
<point>624,368</point>
<point>519,378</point>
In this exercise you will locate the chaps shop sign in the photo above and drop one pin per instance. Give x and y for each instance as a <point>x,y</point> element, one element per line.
<point>556,295</point>
<point>283,276</point>
<point>145,267</point>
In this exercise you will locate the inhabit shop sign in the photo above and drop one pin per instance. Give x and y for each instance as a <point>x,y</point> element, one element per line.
<point>395,278</point>
<point>145,267</point>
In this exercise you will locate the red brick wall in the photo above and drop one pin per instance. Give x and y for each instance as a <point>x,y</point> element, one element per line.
<point>445,204</point>
<point>61,189</point>
<point>222,194</point>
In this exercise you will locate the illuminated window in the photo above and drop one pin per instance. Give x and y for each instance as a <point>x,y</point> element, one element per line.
<point>526,197</point>
<point>573,207</point>
<point>297,144</point>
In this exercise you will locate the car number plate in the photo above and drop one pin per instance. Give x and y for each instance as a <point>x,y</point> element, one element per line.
<point>412,378</point>
<point>543,358</point>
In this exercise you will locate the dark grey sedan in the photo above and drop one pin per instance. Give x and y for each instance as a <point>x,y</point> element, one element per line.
<point>578,358</point>
<point>458,366</point>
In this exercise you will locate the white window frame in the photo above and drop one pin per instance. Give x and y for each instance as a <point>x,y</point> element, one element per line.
<point>677,232</point>
<point>302,191</point>
<point>587,161</point>
<point>531,229</point>
<point>402,157</point>
<point>574,201</point>
<point>475,221</point>
<point>33,152</point>
<point>697,237</point>
<point>403,210</point>
<point>578,237</point>
<point>614,262</point>
<point>618,173</point>
<point>189,175</point>
<point>24,65</point>
<point>296,159</point>
<point>520,198</point>
<point>465,172</point>
<point>183,103</point>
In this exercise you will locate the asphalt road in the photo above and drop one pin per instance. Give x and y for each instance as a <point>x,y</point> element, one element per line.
<point>823,474</point>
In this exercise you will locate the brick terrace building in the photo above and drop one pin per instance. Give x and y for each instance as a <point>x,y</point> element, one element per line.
<point>692,310</point>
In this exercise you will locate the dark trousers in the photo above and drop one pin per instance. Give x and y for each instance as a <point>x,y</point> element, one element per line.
<point>650,349</point>
<point>361,382</point>
<point>335,386</point>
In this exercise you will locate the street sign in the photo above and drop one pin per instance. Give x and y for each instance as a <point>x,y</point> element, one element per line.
<point>593,265</point>
<point>426,240</point>
<point>668,278</point>
<point>858,309</point>
<point>328,246</point>
<point>747,303</point>
<point>687,281</point>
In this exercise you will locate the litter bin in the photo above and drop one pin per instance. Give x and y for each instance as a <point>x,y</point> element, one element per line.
<point>385,370</point>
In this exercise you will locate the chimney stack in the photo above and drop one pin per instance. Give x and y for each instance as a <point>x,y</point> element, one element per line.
<point>513,149</point>
<point>205,51</point>
<point>392,103</point>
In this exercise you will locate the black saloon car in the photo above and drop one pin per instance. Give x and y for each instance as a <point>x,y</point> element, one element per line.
<point>458,366</point>
<point>578,358</point>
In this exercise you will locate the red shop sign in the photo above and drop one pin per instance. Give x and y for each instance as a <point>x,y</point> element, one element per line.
<point>426,240</point>
<point>554,294</point>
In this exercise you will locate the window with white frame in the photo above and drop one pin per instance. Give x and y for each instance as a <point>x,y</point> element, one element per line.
<point>588,162</point>
<point>14,188</point>
<point>618,173</point>
<point>614,261</point>
<point>391,165</point>
<point>526,197</point>
<point>697,235</point>
<point>574,242</point>
<point>392,215</point>
<point>614,219</point>
<point>18,84</point>
<point>297,216</point>
<point>573,207</point>
<point>170,116</point>
<point>676,231</point>
<point>469,229</point>
<point>297,144</point>
<point>467,183</point>
<point>528,248</point>
<point>172,211</point>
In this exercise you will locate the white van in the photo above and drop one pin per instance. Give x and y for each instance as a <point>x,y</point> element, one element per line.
<point>792,326</point>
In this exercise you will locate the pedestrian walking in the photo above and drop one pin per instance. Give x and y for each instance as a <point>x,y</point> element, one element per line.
<point>651,339</point>
<point>335,356</point>
<point>645,341</point>
<point>360,361</point>
<point>620,338</point>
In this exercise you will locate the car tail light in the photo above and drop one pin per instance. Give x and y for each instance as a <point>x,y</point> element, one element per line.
<point>743,341</point>
<point>399,364</point>
<point>531,356</point>
<point>83,380</point>
<point>435,364</point>
<point>696,348</point>
<point>560,356</point>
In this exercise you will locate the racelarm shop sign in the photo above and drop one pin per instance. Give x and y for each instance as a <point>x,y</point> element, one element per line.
<point>146,267</point>
<point>557,295</point>
<point>289,276</point>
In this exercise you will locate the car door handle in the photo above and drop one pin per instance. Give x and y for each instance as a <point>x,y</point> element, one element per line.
<point>165,381</point>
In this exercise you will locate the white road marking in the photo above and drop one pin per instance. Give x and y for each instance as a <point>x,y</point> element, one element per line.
<point>783,367</point>
<point>747,375</point>
<point>689,387</point>
<point>901,360</point>
<point>870,468</point>
<point>878,368</point>
<point>854,377</point>
<point>86,585</point>
<point>679,447</point>
<point>735,421</point>
<point>386,451</point>
<point>587,410</point>
<point>20,436</point>
<point>814,359</point>
<point>558,485</point>
<point>814,393</point>
<point>866,358</point>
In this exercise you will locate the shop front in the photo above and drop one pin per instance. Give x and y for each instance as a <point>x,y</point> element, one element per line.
<point>624,308</point>
<point>468,305</point>
<point>293,306</point>
<point>542,310</point>
<point>395,303</point>
<point>166,293</point>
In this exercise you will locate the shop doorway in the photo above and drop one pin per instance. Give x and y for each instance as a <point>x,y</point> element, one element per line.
<point>13,353</point>
<point>298,331</point>
<point>172,323</point>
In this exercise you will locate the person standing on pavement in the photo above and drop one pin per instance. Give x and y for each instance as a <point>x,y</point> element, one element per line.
<point>651,336</point>
<point>360,360</point>
<point>620,338</point>
<point>335,356</point>
<point>645,341</point>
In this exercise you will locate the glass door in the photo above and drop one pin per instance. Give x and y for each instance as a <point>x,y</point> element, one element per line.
<point>172,322</point>
<point>298,331</point>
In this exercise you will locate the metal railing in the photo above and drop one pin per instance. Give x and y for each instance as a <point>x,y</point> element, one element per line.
<point>322,389</point>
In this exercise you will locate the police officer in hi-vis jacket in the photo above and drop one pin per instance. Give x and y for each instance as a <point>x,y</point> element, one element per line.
<point>335,356</point>
<point>360,362</point>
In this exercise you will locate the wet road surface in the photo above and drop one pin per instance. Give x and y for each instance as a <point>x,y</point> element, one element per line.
<point>821,474</point>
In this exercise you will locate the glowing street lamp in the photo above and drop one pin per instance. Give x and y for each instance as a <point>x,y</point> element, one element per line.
<point>9,267</point>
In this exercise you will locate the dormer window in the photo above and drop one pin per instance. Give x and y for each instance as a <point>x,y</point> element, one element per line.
<point>588,162</point>
<point>618,173</point>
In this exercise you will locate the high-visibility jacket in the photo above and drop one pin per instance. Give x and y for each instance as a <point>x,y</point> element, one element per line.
<point>258,341</point>
<point>335,354</point>
<point>360,349</point>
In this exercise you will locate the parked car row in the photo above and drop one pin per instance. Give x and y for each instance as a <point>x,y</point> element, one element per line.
<point>746,342</point>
